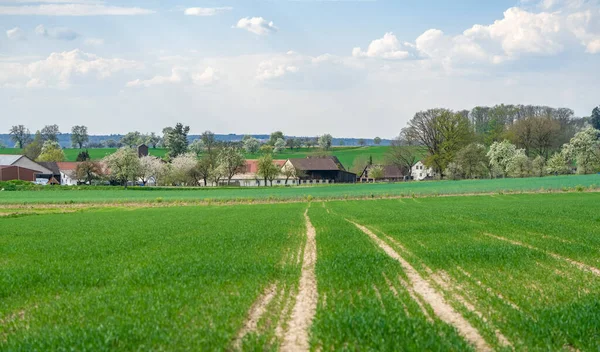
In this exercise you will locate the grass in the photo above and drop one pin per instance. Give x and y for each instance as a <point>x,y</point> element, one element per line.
<point>324,192</point>
<point>185,278</point>
<point>121,279</point>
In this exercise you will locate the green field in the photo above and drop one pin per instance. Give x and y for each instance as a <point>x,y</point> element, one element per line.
<point>494,272</point>
<point>345,154</point>
<point>340,191</point>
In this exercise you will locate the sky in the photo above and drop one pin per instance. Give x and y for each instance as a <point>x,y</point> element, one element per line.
<point>351,68</point>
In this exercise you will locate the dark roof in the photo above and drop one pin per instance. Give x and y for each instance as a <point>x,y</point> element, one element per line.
<point>317,164</point>
<point>392,171</point>
<point>51,165</point>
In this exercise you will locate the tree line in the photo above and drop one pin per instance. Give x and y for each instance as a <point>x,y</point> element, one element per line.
<point>499,141</point>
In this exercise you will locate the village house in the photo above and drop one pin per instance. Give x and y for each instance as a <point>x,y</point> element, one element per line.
<point>391,173</point>
<point>20,167</point>
<point>421,172</point>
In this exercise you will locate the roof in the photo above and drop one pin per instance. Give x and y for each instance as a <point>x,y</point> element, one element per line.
<point>317,164</point>
<point>391,171</point>
<point>67,165</point>
<point>50,165</point>
<point>252,165</point>
<point>9,159</point>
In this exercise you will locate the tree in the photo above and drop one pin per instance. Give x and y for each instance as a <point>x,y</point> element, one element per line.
<point>51,151</point>
<point>83,156</point>
<point>584,148</point>
<point>473,161</point>
<point>196,147</point>
<point>519,165</point>
<point>403,152</point>
<point>454,171</point>
<point>153,140</point>
<point>362,142</point>
<point>443,132</point>
<point>376,172</point>
<point>210,145</point>
<point>151,167</point>
<point>124,165</point>
<point>34,149</point>
<point>325,141</point>
<point>165,132</point>
<point>266,169</point>
<point>181,168</point>
<point>20,135</point>
<point>88,171</point>
<point>50,133</point>
<point>251,145</point>
<point>538,166</point>
<point>231,161</point>
<point>176,140</point>
<point>201,171</point>
<point>557,164</point>
<point>290,172</point>
<point>274,137</point>
<point>292,143</point>
<point>279,145</point>
<point>595,118</point>
<point>500,154</point>
<point>79,136</point>
<point>537,135</point>
<point>132,139</point>
<point>111,143</point>
<point>266,149</point>
<point>377,141</point>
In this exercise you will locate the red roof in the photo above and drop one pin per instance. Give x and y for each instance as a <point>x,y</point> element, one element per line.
<point>252,165</point>
<point>67,165</point>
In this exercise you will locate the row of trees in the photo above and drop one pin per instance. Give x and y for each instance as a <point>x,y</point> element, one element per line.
<point>21,135</point>
<point>523,141</point>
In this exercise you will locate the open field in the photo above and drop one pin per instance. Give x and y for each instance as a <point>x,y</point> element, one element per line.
<point>340,191</point>
<point>496,272</point>
<point>347,155</point>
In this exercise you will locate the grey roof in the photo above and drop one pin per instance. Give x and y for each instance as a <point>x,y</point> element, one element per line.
<point>7,159</point>
<point>52,166</point>
<point>316,164</point>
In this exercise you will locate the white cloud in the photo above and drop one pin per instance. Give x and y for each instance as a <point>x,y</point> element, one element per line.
<point>16,34</point>
<point>387,47</point>
<point>73,9</point>
<point>256,25</point>
<point>179,75</point>
<point>59,33</point>
<point>61,70</point>
<point>206,11</point>
<point>93,42</point>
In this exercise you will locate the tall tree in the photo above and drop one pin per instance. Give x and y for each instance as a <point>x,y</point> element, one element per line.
<point>34,149</point>
<point>177,141</point>
<point>79,136</point>
<point>443,132</point>
<point>595,118</point>
<point>132,139</point>
<point>266,169</point>
<point>50,133</point>
<point>325,141</point>
<point>201,172</point>
<point>377,141</point>
<point>210,145</point>
<point>20,135</point>
<point>275,136</point>
<point>232,161</point>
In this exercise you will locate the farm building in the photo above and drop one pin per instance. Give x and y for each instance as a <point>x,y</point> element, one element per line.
<point>248,176</point>
<point>391,173</point>
<point>9,173</point>
<point>24,162</point>
<point>320,170</point>
<point>142,150</point>
<point>421,172</point>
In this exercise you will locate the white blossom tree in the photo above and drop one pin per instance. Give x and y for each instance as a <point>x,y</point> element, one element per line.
<point>325,141</point>
<point>181,168</point>
<point>584,148</point>
<point>500,154</point>
<point>519,165</point>
<point>251,145</point>
<point>124,165</point>
<point>151,167</point>
<point>279,145</point>
<point>558,164</point>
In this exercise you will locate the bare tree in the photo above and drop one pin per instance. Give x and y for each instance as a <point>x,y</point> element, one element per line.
<point>20,135</point>
<point>403,153</point>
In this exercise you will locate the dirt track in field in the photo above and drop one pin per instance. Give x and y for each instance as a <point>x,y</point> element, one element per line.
<point>440,307</point>
<point>296,337</point>
<point>256,312</point>
<point>579,265</point>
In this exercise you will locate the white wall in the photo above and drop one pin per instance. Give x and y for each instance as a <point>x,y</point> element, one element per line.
<point>419,172</point>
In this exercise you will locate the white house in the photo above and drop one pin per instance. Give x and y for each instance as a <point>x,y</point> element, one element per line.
<point>421,172</point>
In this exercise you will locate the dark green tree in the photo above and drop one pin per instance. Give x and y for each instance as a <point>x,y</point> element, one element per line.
<point>595,118</point>
<point>176,140</point>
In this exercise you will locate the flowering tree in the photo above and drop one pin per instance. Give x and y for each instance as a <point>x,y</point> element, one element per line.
<point>181,168</point>
<point>151,167</point>
<point>124,165</point>
<point>519,165</point>
<point>500,154</point>
<point>584,148</point>
<point>557,164</point>
<point>279,145</point>
<point>51,151</point>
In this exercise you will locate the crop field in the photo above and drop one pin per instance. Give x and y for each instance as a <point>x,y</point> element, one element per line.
<point>346,155</point>
<point>62,195</point>
<point>492,272</point>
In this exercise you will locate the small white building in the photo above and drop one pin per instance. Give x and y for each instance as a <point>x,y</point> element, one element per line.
<point>421,172</point>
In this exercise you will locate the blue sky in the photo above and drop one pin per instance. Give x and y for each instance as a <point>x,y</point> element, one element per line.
<point>307,67</point>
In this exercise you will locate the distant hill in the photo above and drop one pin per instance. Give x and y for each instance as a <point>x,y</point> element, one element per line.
<point>65,139</point>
